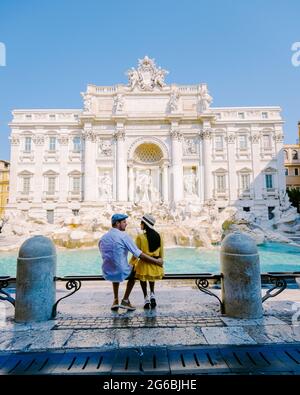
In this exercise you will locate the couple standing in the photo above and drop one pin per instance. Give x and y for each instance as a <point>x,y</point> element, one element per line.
<point>146,263</point>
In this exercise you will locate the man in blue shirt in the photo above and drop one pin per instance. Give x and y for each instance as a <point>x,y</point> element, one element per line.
<point>114,247</point>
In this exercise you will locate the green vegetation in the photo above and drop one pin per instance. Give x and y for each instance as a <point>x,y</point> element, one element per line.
<point>294,195</point>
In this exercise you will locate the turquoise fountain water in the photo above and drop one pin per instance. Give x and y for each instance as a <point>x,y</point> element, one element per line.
<point>273,257</point>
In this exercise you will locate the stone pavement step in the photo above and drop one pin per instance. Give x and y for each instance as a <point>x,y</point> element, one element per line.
<point>250,359</point>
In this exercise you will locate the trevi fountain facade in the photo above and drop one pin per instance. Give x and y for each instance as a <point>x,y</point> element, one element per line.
<point>148,146</point>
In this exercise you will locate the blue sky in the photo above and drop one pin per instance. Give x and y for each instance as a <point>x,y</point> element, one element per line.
<point>242,50</point>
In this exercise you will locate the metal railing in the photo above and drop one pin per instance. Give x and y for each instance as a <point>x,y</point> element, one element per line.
<point>277,280</point>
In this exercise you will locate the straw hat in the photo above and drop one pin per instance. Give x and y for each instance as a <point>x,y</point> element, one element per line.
<point>149,220</point>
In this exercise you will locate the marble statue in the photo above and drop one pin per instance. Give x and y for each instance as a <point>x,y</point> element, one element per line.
<point>133,77</point>
<point>173,102</point>
<point>144,186</point>
<point>205,99</point>
<point>87,103</point>
<point>189,183</point>
<point>118,103</point>
<point>105,186</point>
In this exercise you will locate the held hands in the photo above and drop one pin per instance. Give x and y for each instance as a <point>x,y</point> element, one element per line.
<point>160,262</point>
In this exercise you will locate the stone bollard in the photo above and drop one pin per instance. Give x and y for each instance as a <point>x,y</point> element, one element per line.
<point>241,283</point>
<point>35,285</point>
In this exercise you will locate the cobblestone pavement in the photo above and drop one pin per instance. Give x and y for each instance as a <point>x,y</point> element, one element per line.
<point>137,322</point>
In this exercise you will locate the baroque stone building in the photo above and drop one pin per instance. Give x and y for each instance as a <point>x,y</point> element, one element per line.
<point>4,186</point>
<point>292,163</point>
<point>146,141</point>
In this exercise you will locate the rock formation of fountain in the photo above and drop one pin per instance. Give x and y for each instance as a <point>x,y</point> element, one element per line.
<point>184,224</point>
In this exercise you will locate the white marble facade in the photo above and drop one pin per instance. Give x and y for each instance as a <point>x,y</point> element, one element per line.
<point>146,141</point>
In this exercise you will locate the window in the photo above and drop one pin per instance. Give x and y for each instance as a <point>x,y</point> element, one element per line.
<point>52,116</point>
<point>266,141</point>
<point>241,115</point>
<point>295,154</point>
<point>296,172</point>
<point>286,155</point>
<point>28,116</point>
<point>75,212</point>
<point>219,142</point>
<point>221,183</point>
<point>76,184</point>
<point>245,181</point>
<point>286,171</point>
<point>52,144</point>
<point>27,144</point>
<point>26,185</point>
<point>218,115</point>
<point>220,209</point>
<point>243,141</point>
<point>76,144</point>
<point>269,181</point>
<point>264,115</point>
<point>51,185</point>
<point>247,209</point>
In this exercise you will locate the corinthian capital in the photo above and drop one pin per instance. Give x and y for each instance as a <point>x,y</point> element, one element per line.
<point>278,137</point>
<point>175,134</point>
<point>63,140</point>
<point>119,134</point>
<point>15,139</point>
<point>230,138</point>
<point>206,134</point>
<point>38,140</point>
<point>89,134</point>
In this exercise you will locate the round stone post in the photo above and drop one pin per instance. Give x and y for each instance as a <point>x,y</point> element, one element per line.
<point>35,285</point>
<point>241,284</point>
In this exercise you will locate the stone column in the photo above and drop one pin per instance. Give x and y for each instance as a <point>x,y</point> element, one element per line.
<point>131,183</point>
<point>177,169</point>
<point>121,164</point>
<point>258,180</point>
<point>63,141</point>
<point>165,183</point>
<point>278,137</point>
<point>232,176</point>
<point>37,183</point>
<point>90,169</point>
<point>206,154</point>
<point>14,159</point>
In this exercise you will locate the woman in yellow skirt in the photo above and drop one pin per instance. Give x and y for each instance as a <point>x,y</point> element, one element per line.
<point>150,242</point>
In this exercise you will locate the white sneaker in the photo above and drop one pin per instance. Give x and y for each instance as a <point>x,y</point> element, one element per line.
<point>147,304</point>
<point>152,300</point>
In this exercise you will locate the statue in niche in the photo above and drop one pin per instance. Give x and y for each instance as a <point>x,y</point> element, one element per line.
<point>189,184</point>
<point>105,186</point>
<point>205,99</point>
<point>105,148</point>
<point>118,103</point>
<point>144,186</point>
<point>173,101</point>
<point>189,147</point>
